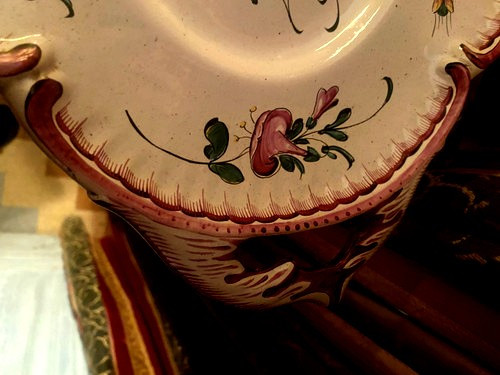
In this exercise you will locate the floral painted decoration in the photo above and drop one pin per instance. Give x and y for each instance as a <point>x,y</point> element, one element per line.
<point>277,140</point>
<point>442,9</point>
<point>69,5</point>
<point>286,3</point>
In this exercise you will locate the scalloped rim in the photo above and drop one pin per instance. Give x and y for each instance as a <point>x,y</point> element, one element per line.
<point>148,189</point>
<point>140,194</point>
<point>40,119</point>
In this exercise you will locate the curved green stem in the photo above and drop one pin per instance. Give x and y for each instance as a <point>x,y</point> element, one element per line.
<point>318,140</point>
<point>141,134</point>
<point>332,28</point>
<point>307,134</point>
<point>390,86</point>
<point>243,152</point>
<point>69,5</point>
<point>287,6</point>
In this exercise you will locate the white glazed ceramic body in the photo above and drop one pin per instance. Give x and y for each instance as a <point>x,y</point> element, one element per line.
<point>206,123</point>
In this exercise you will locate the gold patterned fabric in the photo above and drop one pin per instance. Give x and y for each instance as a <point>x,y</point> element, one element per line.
<point>85,297</point>
<point>119,322</point>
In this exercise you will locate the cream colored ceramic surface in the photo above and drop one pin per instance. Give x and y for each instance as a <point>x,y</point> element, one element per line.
<point>168,68</point>
<point>176,65</point>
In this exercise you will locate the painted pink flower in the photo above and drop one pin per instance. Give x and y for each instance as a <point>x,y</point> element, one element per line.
<point>324,101</point>
<point>269,141</point>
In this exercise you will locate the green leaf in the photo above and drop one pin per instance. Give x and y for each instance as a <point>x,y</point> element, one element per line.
<point>311,123</point>
<point>326,150</point>
<point>299,166</point>
<point>301,141</point>
<point>312,155</point>
<point>227,172</point>
<point>217,134</point>
<point>342,117</point>
<point>390,88</point>
<point>336,134</point>
<point>343,152</point>
<point>296,129</point>
<point>287,162</point>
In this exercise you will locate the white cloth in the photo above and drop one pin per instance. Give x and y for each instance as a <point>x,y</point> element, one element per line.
<point>38,334</point>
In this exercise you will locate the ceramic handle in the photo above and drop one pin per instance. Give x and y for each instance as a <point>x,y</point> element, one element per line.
<point>15,61</point>
<point>19,59</point>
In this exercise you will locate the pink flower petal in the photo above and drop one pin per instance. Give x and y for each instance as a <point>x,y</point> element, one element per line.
<point>324,101</point>
<point>269,141</point>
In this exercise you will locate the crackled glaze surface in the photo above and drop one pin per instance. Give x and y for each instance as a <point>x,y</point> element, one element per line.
<point>236,119</point>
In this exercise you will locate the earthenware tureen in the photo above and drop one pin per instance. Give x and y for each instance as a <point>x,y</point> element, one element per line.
<point>204,123</point>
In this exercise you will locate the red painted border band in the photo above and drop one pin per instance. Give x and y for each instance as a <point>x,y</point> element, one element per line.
<point>45,93</point>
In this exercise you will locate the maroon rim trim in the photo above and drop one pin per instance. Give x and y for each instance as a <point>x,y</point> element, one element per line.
<point>44,94</point>
<point>148,189</point>
<point>481,58</point>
